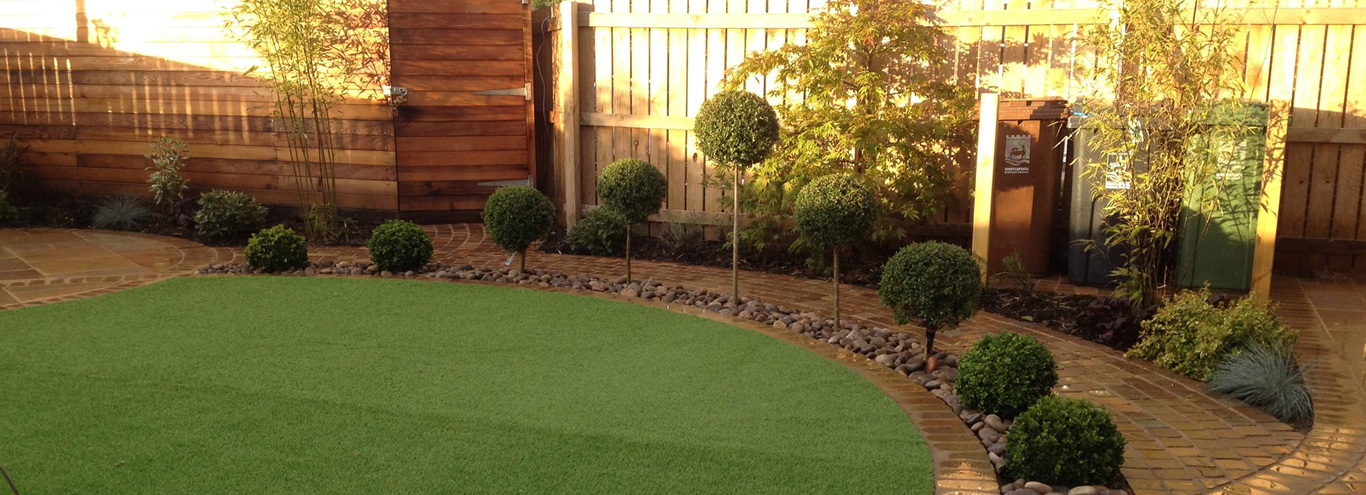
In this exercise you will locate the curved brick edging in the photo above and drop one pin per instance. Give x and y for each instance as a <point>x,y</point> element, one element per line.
<point>1183,439</point>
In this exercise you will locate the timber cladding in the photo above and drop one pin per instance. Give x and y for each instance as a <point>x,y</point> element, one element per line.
<point>89,83</point>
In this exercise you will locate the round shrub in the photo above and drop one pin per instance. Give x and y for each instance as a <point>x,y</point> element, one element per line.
<point>835,209</point>
<point>601,232</point>
<point>1065,441</point>
<point>277,249</point>
<point>633,188</point>
<point>1004,374</point>
<point>1190,336</point>
<point>932,283</point>
<point>736,127</point>
<point>518,216</point>
<point>228,215</point>
<point>399,246</point>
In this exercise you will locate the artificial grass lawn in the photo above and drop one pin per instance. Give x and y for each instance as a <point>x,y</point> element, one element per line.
<point>307,385</point>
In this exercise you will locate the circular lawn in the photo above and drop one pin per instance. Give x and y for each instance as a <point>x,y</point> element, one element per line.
<point>316,385</point>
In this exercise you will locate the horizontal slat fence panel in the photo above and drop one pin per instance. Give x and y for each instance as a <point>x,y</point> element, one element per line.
<point>644,67</point>
<point>89,84</point>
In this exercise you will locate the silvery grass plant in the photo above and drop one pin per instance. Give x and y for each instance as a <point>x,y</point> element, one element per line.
<point>1266,377</point>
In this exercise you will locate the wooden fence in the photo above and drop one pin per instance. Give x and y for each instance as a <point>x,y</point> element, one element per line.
<point>88,83</point>
<point>623,78</point>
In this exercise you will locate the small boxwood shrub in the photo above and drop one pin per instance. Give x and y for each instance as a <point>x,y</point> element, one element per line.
<point>399,246</point>
<point>601,232</point>
<point>935,284</point>
<point>518,216</point>
<point>228,215</point>
<point>736,127</point>
<point>835,209</point>
<point>1064,441</point>
<point>1265,377</point>
<point>633,188</point>
<point>1005,373</point>
<point>1190,336</point>
<point>277,249</point>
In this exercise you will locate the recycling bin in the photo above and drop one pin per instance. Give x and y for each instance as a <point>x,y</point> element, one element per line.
<point>1026,184</point>
<point>1090,259</point>
<point>1216,247</point>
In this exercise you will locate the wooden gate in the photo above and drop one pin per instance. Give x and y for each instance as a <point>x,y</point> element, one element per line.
<point>466,124</point>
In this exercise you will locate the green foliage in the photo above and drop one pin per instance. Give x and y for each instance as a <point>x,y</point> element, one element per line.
<point>736,128</point>
<point>120,213</point>
<point>168,159</point>
<point>228,215</point>
<point>633,188</point>
<point>277,249</point>
<point>679,236</point>
<point>1017,273</point>
<point>517,216</point>
<point>934,283</point>
<point>1004,374</point>
<point>601,232</point>
<point>1190,336</point>
<point>1265,377</point>
<point>836,209</point>
<point>866,109</point>
<point>318,52</point>
<point>1065,441</point>
<point>399,246</point>
<point>1153,126</point>
<point>8,212</point>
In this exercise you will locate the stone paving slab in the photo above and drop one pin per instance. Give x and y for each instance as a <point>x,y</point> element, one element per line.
<point>1182,438</point>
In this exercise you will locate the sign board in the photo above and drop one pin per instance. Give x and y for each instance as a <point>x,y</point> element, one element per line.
<point>1017,154</point>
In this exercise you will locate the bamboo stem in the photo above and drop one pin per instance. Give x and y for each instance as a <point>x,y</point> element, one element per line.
<point>628,253</point>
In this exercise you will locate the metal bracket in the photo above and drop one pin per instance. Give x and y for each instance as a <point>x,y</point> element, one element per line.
<point>524,91</point>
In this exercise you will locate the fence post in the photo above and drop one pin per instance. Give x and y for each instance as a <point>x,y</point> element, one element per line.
<point>986,169</point>
<point>1273,169</point>
<point>569,108</point>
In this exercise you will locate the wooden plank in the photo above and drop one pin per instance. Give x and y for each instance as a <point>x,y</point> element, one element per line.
<point>1331,190</point>
<point>462,21</point>
<point>448,159</point>
<point>1335,135</point>
<point>499,37</point>
<point>677,96</point>
<point>1354,157</point>
<point>461,7</point>
<point>1013,61</point>
<point>986,168</point>
<point>427,129</point>
<point>1295,175</point>
<point>473,143</point>
<point>568,99</point>
<point>1264,252</point>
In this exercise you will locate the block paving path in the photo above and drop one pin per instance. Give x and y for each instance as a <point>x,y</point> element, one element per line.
<point>1182,438</point>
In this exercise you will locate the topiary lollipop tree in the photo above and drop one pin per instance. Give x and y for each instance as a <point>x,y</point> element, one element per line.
<point>738,129</point>
<point>932,283</point>
<point>635,190</point>
<point>834,211</point>
<point>516,217</point>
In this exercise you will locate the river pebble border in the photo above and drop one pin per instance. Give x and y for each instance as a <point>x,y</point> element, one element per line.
<point>898,350</point>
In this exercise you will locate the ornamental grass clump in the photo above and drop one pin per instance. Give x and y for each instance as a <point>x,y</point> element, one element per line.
<point>121,213</point>
<point>228,215</point>
<point>277,249</point>
<point>1005,374</point>
<point>1190,336</point>
<point>399,246</point>
<point>833,212</point>
<point>1265,377</point>
<point>1064,441</point>
<point>737,129</point>
<point>635,190</point>
<point>931,283</point>
<point>516,217</point>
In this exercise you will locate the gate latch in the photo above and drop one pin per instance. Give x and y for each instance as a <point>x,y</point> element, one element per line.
<point>524,91</point>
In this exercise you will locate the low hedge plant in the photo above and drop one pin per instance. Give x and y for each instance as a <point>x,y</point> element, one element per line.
<point>1004,374</point>
<point>1190,336</point>
<point>277,249</point>
<point>516,217</point>
<point>1065,441</point>
<point>399,246</point>
<point>228,215</point>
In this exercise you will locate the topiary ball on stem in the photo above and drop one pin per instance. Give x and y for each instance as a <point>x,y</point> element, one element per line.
<point>833,211</point>
<point>277,249</point>
<point>635,190</point>
<point>1005,373</point>
<point>736,128</point>
<point>516,217</point>
<point>1065,441</point>
<point>399,246</point>
<point>931,283</point>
